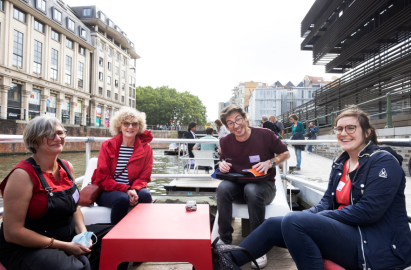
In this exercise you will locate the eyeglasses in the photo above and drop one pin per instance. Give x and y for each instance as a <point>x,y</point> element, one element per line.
<point>350,129</point>
<point>60,134</point>
<point>238,121</point>
<point>127,124</point>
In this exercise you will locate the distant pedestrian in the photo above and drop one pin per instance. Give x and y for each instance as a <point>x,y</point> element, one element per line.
<point>312,130</point>
<point>297,127</point>
<point>221,129</point>
<point>270,126</point>
<point>278,123</point>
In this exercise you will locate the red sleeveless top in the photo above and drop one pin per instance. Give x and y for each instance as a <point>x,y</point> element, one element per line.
<point>39,203</point>
<point>342,194</point>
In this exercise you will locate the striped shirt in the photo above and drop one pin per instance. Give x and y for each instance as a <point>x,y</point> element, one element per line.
<point>123,158</point>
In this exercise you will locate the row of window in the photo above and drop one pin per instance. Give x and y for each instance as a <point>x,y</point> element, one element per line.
<point>101,78</point>
<point>110,53</point>
<point>57,16</point>
<point>101,63</point>
<point>37,65</point>
<point>100,92</point>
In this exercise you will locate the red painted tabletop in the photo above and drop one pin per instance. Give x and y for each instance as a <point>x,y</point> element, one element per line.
<point>163,221</point>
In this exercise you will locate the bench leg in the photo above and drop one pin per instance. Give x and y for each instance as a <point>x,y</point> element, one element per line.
<point>245,227</point>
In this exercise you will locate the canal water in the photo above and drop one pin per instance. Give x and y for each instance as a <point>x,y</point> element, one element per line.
<point>161,164</point>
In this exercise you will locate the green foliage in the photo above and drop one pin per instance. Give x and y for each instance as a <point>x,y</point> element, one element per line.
<point>163,103</point>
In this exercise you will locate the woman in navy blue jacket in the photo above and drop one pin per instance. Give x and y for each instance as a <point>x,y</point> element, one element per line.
<point>360,223</point>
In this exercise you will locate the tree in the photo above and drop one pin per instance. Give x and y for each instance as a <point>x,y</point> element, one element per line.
<point>162,104</point>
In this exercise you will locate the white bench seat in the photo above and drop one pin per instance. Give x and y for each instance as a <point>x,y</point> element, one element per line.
<point>278,207</point>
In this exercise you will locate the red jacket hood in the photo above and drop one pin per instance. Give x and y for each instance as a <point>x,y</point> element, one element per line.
<point>146,137</point>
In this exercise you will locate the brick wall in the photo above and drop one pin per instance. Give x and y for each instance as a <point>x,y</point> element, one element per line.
<point>333,150</point>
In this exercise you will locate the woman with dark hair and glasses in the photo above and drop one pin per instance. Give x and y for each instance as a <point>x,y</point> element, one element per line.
<point>41,213</point>
<point>360,223</point>
<point>190,134</point>
<point>125,163</point>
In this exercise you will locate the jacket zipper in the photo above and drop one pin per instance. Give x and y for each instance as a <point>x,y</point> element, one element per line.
<point>362,241</point>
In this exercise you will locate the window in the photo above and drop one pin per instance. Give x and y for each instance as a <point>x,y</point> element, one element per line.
<point>100,76</point>
<point>108,79</point>
<point>38,26</point>
<point>101,61</point>
<point>130,80</point>
<point>109,66</point>
<point>108,93</point>
<point>101,32</point>
<point>57,15</point>
<point>41,4</point>
<point>123,74</point>
<point>110,23</point>
<point>123,86</point>
<point>116,70</point>
<point>122,99</point>
<point>81,50</point>
<point>100,91</point>
<point>18,49</point>
<point>309,94</point>
<point>1,5</point>
<point>124,34</point>
<point>109,38</point>
<point>132,44</point>
<point>117,56</point>
<point>80,74</point>
<point>110,51</point>
<point>19,15</point>
<point>116,96</point>
<point>87,12</point>
<point>102,16</point>
<point>116,83</point>
<point>302,94</point>
<point>37,56</point>
<point>71,25</point>
<point>83,32</point>
<point>55,35</point>
<point>68,69</point>
<point>69,43</point>
<point>54,64</point>
<point>124,61</point>
<point>117,28</point>
<point>101,47</point>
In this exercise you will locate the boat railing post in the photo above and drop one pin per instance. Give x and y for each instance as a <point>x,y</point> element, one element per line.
<point>88,149</point>
<point>178,159</point>
<point>285,169</point>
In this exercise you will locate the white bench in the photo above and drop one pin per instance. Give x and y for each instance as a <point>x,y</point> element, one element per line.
<point>94,214</point>
<point>278,207</point>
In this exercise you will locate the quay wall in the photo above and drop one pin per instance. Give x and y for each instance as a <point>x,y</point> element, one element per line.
<point>333,150</point>
<point>13,127</point>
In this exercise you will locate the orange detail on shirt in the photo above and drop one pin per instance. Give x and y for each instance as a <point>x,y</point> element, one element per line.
<point>343,197</point>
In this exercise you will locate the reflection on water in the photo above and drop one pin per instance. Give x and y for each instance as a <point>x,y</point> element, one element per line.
<point>161,164</point>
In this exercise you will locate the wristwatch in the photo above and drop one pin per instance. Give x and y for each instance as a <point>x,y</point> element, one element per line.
<point>273,163</point>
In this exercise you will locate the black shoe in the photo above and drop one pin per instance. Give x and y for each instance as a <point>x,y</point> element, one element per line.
<point>207,171</point>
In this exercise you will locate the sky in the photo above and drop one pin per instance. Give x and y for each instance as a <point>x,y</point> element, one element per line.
<point>208,47</point>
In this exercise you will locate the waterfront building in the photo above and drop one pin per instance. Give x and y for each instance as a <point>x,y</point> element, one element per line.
<point>49,59</point>
<point>241,93</point>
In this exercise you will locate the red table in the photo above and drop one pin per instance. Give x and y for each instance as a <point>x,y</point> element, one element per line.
<point>160,233</point>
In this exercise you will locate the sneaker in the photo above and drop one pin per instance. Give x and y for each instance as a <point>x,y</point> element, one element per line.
<point>297,169</point>
<point>262,262</point>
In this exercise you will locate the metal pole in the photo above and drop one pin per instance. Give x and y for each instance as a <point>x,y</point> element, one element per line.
<point>389,111</point>
<point>178,159</point>
<point>318,124</point>
<point>88,149</point>
<point>291,201</point>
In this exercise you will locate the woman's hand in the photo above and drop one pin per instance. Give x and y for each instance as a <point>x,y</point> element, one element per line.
<point>262,167</point>
<point>132,197</point>
<point>225,166</point>
<point>75,249</point>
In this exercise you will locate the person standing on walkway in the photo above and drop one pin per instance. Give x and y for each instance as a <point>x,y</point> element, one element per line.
<point>278,123</point>
<point>360,223</point>
<point>267,124</point>
<point>246,148</point>
<point>125,163</point>
<point>312,135</point>
<point>297,127</point>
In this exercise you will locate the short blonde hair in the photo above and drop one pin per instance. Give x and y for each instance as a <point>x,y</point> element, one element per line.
<point>37,129</point>
<point>124,114</point>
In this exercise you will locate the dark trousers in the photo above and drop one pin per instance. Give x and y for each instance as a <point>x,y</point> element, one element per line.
<point>308,237</point>
<point>21,258</point>
<point>255,195</point>
<point>118,202</point>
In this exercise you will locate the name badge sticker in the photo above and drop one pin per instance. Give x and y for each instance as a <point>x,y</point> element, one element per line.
<point>255,159</point>
<point>76,196</point>
<point>340,185</point>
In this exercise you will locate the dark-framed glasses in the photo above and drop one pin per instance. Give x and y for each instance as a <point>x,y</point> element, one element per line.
<point>349,129</point>
<point>127,124</point>
<point>238,121</point>
<point>61,134</point>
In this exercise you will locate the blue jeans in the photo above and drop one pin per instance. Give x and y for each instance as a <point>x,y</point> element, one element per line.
<point>298,154</point>
<point>255,195</point>
<point>308,237</point>
<point>118,202</point>
<point>310,147</point>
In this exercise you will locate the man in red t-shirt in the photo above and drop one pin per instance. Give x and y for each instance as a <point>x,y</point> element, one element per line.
<point>245,148</point>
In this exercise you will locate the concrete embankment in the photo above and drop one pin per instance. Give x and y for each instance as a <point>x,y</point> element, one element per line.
<point>12,127</point>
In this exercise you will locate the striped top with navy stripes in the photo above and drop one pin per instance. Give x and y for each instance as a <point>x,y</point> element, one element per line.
<point>123,158</point>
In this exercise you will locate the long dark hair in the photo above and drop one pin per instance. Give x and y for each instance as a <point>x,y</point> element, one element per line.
<point>364,121</point>
<point>219,124</point>
<point>191,125</point>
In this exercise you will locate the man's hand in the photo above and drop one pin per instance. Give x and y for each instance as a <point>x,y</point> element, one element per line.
<point>262,167</point>
<point>132,197</point>
<point>225,166</point>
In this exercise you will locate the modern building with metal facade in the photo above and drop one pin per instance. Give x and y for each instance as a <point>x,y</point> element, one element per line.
<point>49,63</point>
<point>370,43</point>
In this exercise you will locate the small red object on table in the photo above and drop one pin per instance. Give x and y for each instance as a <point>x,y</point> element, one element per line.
<point>160,233</point>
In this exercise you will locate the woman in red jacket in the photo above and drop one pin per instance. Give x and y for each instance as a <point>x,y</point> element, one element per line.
<point>124,164</point>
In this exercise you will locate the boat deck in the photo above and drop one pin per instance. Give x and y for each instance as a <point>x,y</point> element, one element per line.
<point>278,258</point>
